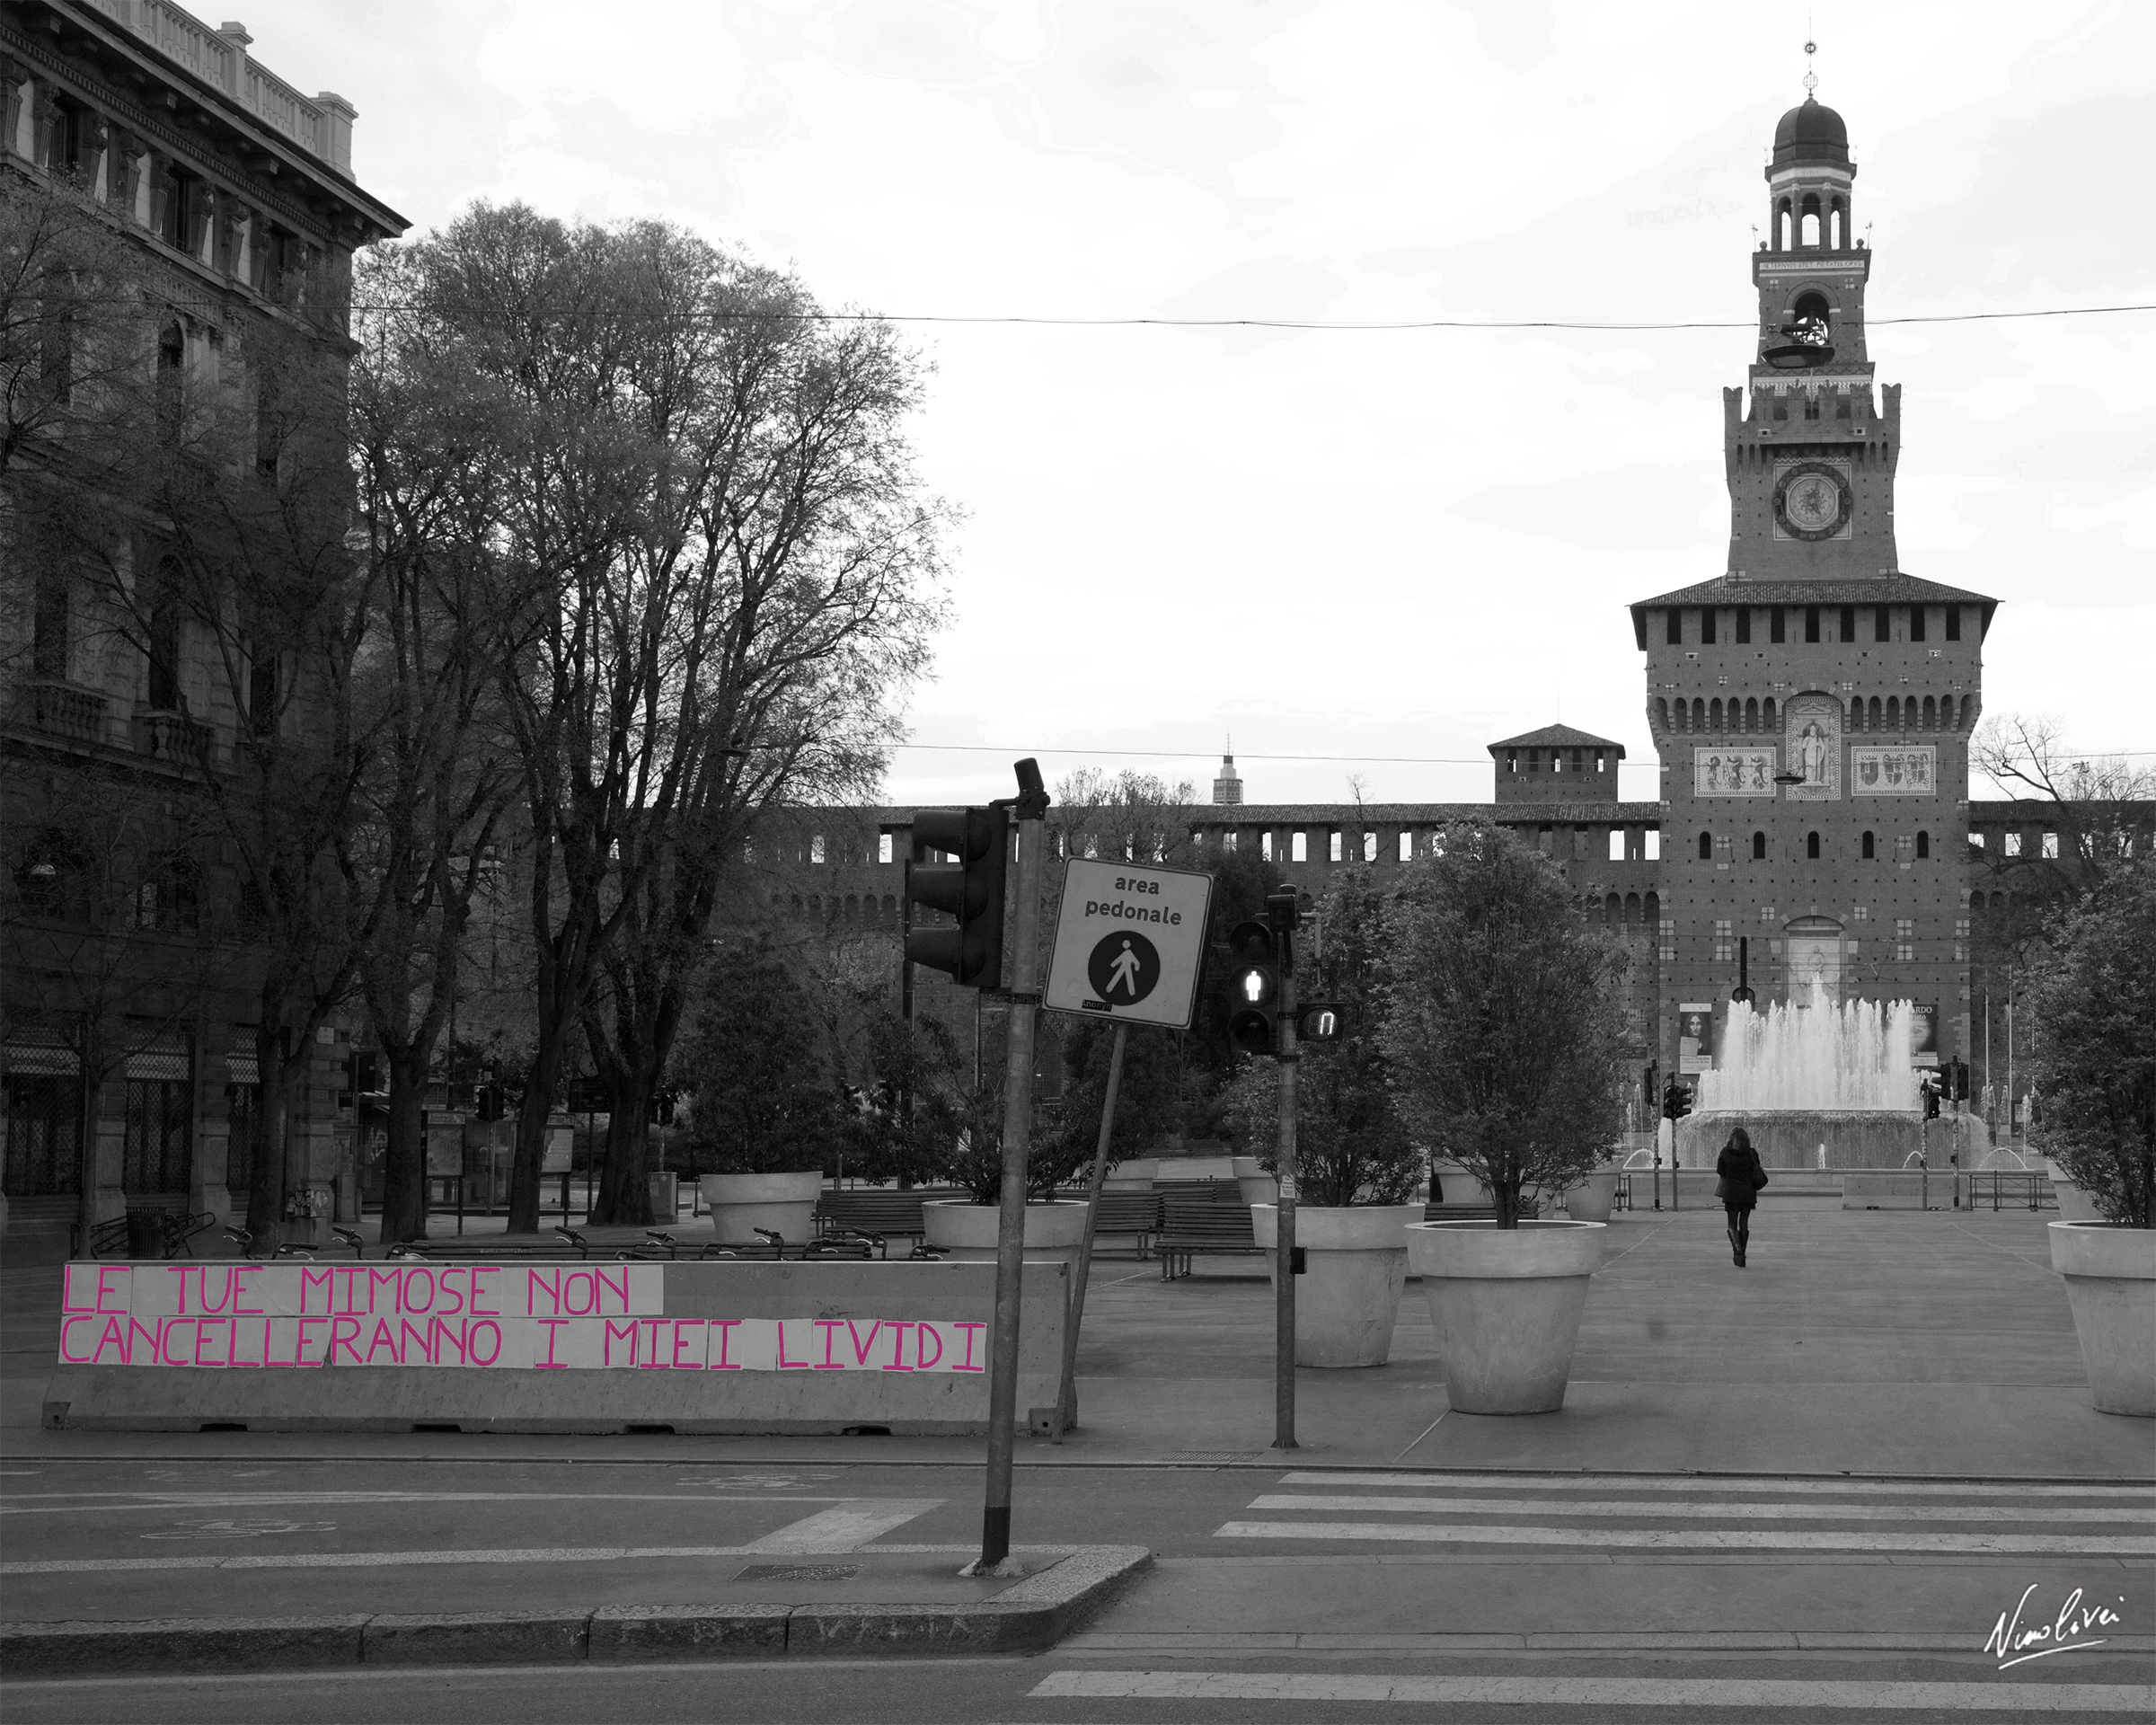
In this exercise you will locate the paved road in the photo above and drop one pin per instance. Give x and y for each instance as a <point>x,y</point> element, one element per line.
<point>1308,1593</point>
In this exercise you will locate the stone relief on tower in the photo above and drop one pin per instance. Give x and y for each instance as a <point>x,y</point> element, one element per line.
<point>1733,772</point>
<point>1813,739</point>
<point>1909,770</point>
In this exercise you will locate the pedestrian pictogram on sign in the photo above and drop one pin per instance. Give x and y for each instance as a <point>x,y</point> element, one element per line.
<point>1123,968</point>
<point>1129,942</point>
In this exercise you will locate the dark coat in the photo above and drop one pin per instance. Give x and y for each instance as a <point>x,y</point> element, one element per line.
<point>1738,1176</point>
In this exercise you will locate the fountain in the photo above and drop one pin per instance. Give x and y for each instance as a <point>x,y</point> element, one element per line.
<point>1814,1072</point>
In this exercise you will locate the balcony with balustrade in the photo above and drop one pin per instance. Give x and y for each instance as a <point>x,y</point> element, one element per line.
<point>57,708</point>
<point>321,125</point>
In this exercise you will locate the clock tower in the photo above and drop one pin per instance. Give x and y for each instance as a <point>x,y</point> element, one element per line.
<point>1812,704</point>
<point>1809,451</point>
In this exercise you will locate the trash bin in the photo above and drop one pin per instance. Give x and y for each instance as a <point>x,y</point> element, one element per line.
<point>146,1233</point>
<point>665,1198</point>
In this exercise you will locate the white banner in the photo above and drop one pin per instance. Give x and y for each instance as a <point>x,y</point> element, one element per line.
<point>553,1317</point>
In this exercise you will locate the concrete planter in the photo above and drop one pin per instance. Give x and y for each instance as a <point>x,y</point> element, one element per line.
<point>1133,1174</point>
<point>1254,1184</point>
<point>1506,1304</point>
<point>2074,1204</point>
<point>1355,1268</point>
<point>2110,1274</point>
<point>1594,1198</point>
<point>741,1204</point>
<point>1182,1168</point>
<point>966,1233</point>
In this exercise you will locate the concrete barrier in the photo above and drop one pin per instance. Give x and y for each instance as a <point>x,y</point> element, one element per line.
<point>552,1346</point>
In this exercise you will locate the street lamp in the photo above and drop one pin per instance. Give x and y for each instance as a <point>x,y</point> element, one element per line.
<point>1806,346</point>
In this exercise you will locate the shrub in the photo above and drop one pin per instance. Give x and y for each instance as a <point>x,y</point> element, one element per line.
<point>1501,1020</point>
<point>2093,997</point>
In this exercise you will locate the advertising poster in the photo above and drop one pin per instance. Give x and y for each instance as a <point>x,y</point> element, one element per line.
<point>1923,1035</point>
<point>1695,1037</point>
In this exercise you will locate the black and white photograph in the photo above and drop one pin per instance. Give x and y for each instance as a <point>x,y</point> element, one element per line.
<point>1077,862</point>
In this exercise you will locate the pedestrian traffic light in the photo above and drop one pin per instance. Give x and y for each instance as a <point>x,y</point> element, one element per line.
<point>1321,1021</point>
<point>1677,1100</point>
<point>1253,988</point>
<point>969,889</point>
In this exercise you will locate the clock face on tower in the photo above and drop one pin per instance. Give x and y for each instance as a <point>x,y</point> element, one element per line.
<point>1812,501</point>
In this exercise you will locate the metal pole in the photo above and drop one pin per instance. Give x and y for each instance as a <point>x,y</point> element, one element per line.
<point>1067,1401</point>
<point>1284,1278</point>
<point>1010,1226</point>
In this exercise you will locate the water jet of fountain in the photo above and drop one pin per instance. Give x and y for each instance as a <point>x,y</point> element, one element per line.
<point>1849,1058</point>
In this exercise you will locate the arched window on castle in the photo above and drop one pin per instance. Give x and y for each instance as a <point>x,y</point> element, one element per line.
<point>1923,846</point>
<point>1870,848</point>
<point>1759,847</point>
<point>1811,846</point>
<point>1808,234</point>
<point>1706,847</point>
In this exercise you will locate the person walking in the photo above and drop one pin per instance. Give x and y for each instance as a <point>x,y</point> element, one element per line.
<point>1737,1178</point>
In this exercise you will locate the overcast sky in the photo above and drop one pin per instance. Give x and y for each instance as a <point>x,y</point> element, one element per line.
<point>1359,544</point>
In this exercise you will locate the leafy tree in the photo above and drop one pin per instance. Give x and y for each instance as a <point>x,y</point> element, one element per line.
<point>1350,1145</point>
<point>909,1116</point>
<point>763,1099</point>
<point>1150,1095</point>
<point>2093,997</point>
<point>1501,1022</point>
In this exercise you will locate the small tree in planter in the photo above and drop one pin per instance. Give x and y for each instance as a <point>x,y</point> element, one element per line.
<point>763,1097</point>
<point>2093,1001</point>
<point>1354,1164</point>
<point>2092,998</point>
<point>1501,1023</point>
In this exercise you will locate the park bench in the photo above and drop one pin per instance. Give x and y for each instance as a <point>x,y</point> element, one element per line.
<point>882,1212</point>
<point>1211,1191</point>
<point>1132,1213</point>
<point>1193,1225</point>
<point>1473,1212</point>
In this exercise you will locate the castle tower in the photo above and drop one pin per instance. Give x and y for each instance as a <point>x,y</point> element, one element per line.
<point>1227,787</point>
<point>1810,454</point>
<point>1812,705</point>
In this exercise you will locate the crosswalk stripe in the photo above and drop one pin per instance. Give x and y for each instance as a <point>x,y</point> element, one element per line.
<point>850,1525</point>
<point>1695,1539</point>
<point>1741,1697</point>
<point>1698,1484</point>
<point>1424,1506</point>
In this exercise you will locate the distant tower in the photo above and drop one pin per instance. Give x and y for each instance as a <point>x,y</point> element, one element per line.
<point>1228,787</point>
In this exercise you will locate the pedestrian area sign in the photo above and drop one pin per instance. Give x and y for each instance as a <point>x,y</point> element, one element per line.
<point>1129,942</point>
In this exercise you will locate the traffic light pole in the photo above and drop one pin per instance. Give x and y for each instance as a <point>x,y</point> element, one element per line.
<point>1066,1400</point>
<point>1284,1278</point>
<point>1032,806</point>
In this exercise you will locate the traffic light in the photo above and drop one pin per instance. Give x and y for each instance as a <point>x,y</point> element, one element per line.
<point>491,1103</point>
<point>1677,1100</point>
<point>969,889</point>
<point>1321,1021</point>
<point>661,1111</point>
<point>1253,988</point>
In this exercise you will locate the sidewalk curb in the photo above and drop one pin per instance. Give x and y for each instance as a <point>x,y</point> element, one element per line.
<point>1024,1618</point>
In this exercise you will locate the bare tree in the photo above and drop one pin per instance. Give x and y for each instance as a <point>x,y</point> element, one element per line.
<point>708,572</point>
<point>2094,803</point>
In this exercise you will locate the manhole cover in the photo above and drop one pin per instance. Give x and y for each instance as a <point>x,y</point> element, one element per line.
<point>797,1573</point>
